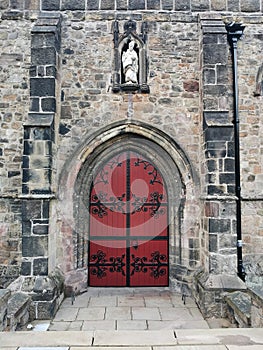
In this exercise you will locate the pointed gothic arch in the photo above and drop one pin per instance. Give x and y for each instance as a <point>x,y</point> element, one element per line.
<point>155,146</point>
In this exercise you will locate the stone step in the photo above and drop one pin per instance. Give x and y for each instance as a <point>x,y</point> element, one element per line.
<point>17,310</point>
<point>239,304</point>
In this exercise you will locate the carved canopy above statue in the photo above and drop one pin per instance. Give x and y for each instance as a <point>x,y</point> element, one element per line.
<point>130,61</point>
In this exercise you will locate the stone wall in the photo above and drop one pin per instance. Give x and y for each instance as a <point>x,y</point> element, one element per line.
<point>14,104</point>
<point>58,106</point>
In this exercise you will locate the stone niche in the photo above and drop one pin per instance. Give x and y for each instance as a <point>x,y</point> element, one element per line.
<point>130,66</point>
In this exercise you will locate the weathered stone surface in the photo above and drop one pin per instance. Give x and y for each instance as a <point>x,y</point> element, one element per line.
<point>76,5</point>
<point>50,5</point>
<point>250,5</point>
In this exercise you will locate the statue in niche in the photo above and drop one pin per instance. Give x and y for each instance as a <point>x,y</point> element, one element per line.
<point>130,64</point>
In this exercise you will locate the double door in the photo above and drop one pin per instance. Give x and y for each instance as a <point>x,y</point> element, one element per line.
<point>128,223</point>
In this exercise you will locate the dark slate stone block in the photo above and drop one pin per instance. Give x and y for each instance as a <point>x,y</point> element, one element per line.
<point>48,104</point>
<point>93,5</point>
<point>42,87</point>
<point>41,191</point>
<point>215,153</point>
<point>45,210</point>
<point>233,5</point>
<point>26,133</point>
<point>40,133</point>
<point>182,5</point>
<point>209,39</point>
<point>26,176</point>
<point>219,225</point>
<point>210,178</point>
<point>216,145</point>
<point>50,5</point>
<point>218,190</point>
<point>43,56</point>
<point>200,5</point>
<point>229,164</point>
<point>215,53</point>
<point>40,267</point>
<point>25,189</point>
<point>63,129</point>
<point>26,228</point>
<point>31,209</point>
<point>41,162</point>
<point>26,268</point>
<point>222,74</point>
<point>4,4</point>
<point>227,178</point>
<point>167,5</point>
<point>33,71</point>
<point>219,133</point>
<point>13,173</point>
<point>73,5</point>
<point>211,165</point>
<point>34,246</point>
<point>153,4</point>
<point>12,15</point>
<point>51,71</point>
<point>231,189</point>
<point>40,71</point>
<point>209,76</point>
<point>107,5</point>
<point>213,244</point>
<point>250,5</point>
<point>38,40</point>
<point>216,90</point>
<point>40,229</point>
<point>218,5</point>
<point>34,104</point>
<point>136,5</point>
<point>121,4</point>
<point>231,149</point>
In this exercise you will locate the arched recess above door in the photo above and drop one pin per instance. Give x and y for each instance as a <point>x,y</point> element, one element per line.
<point>152,143</point>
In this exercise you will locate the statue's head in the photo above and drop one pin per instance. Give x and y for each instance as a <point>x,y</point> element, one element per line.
<point>131,44</point>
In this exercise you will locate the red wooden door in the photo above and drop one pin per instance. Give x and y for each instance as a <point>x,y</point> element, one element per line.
<point>128,229</point>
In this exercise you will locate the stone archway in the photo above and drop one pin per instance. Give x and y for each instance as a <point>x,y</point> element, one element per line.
<point>75,186</point>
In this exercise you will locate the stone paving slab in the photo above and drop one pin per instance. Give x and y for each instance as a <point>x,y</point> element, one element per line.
<point>59,326</point>
<point>91,314</point>
<point>248,347</point>
<point>169,314</point>
<point>134,338</point>
<point>107,300</point>
<point>45,348</point>
<point>118,313</point>
<point>141,313</point>
<point>112,348</point>
<point>66,314</point>
<point>179,324</point>
<point>227,336</point>
<point>131,325</point>
<point>46,339</point>
<point>164,301</point>
<point>133,300</point>
<point>109,325</point>
<point>192,347</point>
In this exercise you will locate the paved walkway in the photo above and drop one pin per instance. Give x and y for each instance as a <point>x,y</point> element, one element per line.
<point>130,319</point>
<point>128,309</point>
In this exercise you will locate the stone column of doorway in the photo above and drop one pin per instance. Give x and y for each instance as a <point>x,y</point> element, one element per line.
<point>43,285</point>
